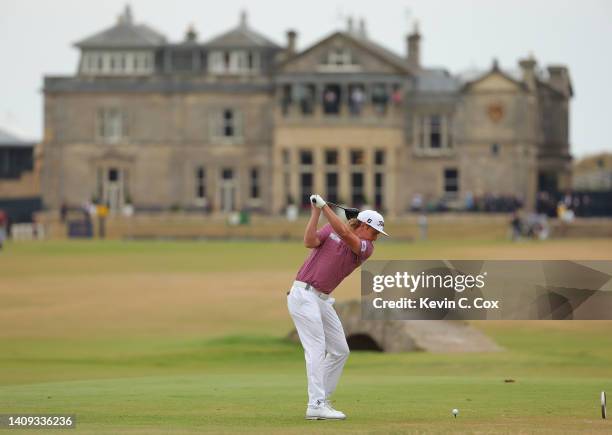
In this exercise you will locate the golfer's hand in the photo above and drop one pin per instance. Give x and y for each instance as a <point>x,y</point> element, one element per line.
<point>317,201</point>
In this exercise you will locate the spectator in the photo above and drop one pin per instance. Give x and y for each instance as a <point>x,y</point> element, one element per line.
<point>417,202</point>
<point>516,226</point>
<point>396,97</point>
<point>3,225</point>
<point>356,100</point>
<point>330,101</point>
<point>423,225</point>
<point>469,201</point>
<point>63,212</point>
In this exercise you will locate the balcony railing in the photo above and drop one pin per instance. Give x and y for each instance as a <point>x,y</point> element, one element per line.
<point>368,113</point>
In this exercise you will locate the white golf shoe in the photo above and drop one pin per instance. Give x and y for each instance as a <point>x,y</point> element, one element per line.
<point>323,411</point>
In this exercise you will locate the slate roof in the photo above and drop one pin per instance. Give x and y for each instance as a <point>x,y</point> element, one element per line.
<point>436,80</point>
<point>124,34</point>
<point>241,36</point>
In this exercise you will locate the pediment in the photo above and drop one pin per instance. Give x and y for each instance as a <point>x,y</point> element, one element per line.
<point>343,53</point>
<point>494,81</point>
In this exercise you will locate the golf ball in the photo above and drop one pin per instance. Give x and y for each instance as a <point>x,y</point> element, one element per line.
<point>455,412</point>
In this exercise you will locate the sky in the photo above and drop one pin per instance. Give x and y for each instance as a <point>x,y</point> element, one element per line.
<point>37,36</point>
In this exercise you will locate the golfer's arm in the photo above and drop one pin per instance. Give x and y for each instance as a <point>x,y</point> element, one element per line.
<point>310,235</point>
<point>343,231</point>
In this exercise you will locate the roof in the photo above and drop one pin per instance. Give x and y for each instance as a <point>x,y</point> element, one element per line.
<point>470,77</point>
<point>9,139</point>
<point>375,47</point>
<point>362,41</point>
<point>436,80</point>
<point>124,34</point>
<point>241,36</point>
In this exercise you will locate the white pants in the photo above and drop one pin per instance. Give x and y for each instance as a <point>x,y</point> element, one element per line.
<point>323,340</point>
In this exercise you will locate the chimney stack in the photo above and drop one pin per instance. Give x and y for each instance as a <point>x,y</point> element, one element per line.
<point>560,80</point>
<point>191,35</point>
<point>291,41</point>
<point>349,26</point>
<point>528,66</point>
<point>363,34</point>
<point>414,47</point>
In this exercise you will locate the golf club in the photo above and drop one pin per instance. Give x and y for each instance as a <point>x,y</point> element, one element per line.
<point>350,212</point>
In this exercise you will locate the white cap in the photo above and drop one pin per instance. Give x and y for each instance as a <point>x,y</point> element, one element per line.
<point>373,219</point>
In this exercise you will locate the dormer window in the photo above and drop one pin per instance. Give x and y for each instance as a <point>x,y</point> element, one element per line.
<point>97,62</point>
<point>339,57</point>
<point>233,62</point>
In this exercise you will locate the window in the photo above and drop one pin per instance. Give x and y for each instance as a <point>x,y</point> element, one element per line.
<point>227,124</point>
<point>306,186</point>
<point>435,131</point>
<point>286,99</point>
<point>339,57</point>
<point>357,195</point>
<point>238,61</point>
<point>305,157</point>
<point>250,61</point>
<point>451,181</point>
<point>357,157</point>
<point>227,174</point>
<point>233,62</point>
<point>495,149</point>
<point>254,188</point>
<point>111,125</point>
<point>331,184</point>
<point>331,157</point>
<point>200,182</point>
<point>216,62</point>
<point>287,186</point>
<point>117,62</point>
<point>379,157</point>
<point>113,174</point>
<point>306,177</point>
<point>286,157</point>
<point>379,181</point>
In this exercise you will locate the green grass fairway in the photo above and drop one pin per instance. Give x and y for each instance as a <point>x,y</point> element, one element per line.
<point>151,338</point>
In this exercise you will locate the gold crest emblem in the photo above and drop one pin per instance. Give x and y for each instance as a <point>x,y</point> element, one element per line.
<point>496,112</point>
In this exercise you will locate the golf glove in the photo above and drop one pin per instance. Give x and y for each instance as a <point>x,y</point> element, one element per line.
<point>317,201</point>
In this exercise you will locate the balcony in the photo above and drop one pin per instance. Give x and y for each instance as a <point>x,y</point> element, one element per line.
<point>340,104</point>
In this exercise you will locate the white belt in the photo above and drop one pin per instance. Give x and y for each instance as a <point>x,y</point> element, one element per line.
<point>310,288</point>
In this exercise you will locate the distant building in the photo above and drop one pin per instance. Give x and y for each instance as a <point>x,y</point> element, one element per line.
<point>240,122</point>
<point>593,173</point>
<point>19,183</point>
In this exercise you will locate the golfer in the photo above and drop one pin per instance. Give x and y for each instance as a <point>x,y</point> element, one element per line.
<point>338,249</point>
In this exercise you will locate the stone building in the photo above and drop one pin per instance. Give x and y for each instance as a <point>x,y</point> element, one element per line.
<point>241,122</point>
<point>593,173</point>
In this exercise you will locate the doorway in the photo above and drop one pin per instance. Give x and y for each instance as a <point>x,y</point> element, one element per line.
<point>227,190</point>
